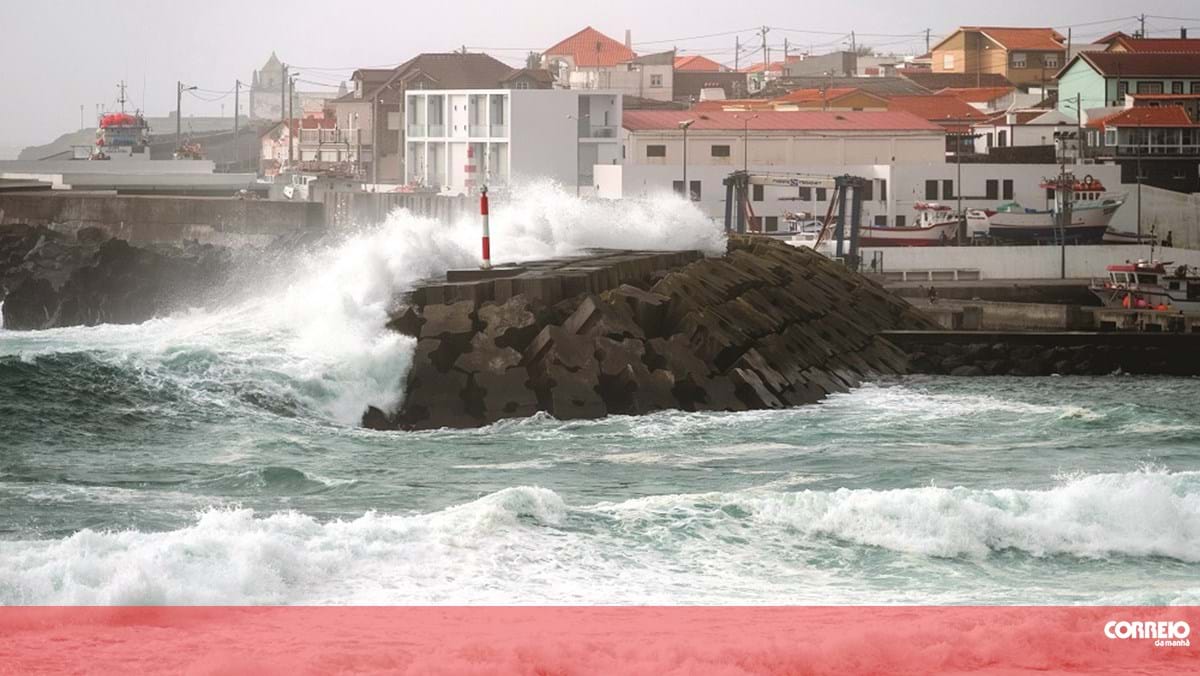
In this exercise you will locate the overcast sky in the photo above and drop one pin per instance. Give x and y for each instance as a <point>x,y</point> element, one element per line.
<point>56,55</point>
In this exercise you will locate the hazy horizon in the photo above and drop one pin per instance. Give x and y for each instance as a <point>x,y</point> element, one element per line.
<point>41,93</point>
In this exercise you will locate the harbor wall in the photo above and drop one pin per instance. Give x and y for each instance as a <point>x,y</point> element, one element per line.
<point>144,219</point>
<point>1169,211</point>
<point>1018,262</point>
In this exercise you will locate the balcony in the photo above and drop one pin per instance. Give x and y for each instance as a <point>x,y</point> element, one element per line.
<point>1148,150</point>
<point>597,132</point>
<point>499,130</point>
<point>477,130</point>
<point>416,130</point>
<point>437,131</point>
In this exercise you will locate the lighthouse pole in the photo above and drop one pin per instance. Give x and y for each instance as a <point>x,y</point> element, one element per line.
<point>483,214</point>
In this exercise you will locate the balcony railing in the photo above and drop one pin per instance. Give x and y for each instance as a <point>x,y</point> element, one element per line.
<point>437,130</point>
<point>1148,150</point>
<point>499,130</point>
<point>598,132</point>
<point>477,130</point>
<point>416,130</point>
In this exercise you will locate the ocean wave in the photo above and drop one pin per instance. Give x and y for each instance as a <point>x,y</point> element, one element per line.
<point>526,545</point>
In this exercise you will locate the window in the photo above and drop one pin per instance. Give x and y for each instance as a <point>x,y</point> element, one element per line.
<point>656,151</point>
<point>521,84</point>
<point>695,190</point>
<point>947,189</point>
<point>992,189</point>
<point>881,220</point>
<point>1050,60</point>
<point>820,194</point>
<point>757,191</point>
<point>948,62</point>
<point>1196,87</point>
<point>1149,87</point>
<point>1177,87</point>
<point>677,187</point>
<point>1050,194</point>
<point>930,190</point>
<point>656,80</point>
<point>1008,189</point>
<point>1122,89</point>
<point>806,194</point>
<point>883,190</point>
<point>1002,138</point>
<point>1017,60</point>
<point>720,151</point>
<point>868,190</point>
<point>772,223</point>
<point>990,140</point>
<point>900,221</point>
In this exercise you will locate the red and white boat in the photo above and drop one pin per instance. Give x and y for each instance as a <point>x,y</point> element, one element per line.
<point>1149,285</point>
<point>936,225</point>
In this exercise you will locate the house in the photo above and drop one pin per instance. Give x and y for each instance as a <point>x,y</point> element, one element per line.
<point>1025,56</point>
<point>1120,42</point>
<point>842,98</point>
<point>988,99</point>
<point>1160,144</point>
<point>880,86</point>
<point>691,86</point>
<point>459,139</point>
<point>1103,79</point>
<point>696,63</point>
<point>838,64</point>
<point>375,104</point>
<point>929,81</point>
<point>590,59</point>
<point>1023,128</point>
<point>312,144</point>
<point>955,116</point>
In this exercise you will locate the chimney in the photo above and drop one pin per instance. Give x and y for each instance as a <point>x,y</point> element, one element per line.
<point>628,39</point>
<point>1183,33</point>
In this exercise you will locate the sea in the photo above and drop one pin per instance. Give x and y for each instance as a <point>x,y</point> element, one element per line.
<point>213,456</point>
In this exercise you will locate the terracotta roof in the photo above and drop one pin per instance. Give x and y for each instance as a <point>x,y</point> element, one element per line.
<point>941,108</point>
<point>977,94</point>
<point>697,63</point>
<point>1017,38</point>
<point>1163,97</point>
<point>727,104</point>
<point>811,95</point>
<point>590,48</point>
<point>1147,116</point>
<point>1170,45</point>
<point>769,120</point>
<point>1137,64</point>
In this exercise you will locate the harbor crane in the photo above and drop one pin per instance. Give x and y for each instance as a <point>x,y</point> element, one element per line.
<point>739,211</point>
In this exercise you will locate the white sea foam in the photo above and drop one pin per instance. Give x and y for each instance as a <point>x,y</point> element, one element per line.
<point>525,545</point>
<point>320,337</point>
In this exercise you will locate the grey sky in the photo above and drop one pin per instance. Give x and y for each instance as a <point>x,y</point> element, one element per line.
<point>57,55</point>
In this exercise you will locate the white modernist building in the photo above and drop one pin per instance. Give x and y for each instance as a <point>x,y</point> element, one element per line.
<point>457,140</point>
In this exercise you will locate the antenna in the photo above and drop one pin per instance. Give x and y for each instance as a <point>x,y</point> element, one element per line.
<point>121,97</point>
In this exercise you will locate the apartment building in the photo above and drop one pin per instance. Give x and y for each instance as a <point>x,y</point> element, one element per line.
<point>458,140</point>
<point>1024,56</point>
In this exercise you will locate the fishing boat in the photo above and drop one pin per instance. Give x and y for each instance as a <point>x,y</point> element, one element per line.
<point>1091,210</point>
<point>936,225</point>
<point>1149,285</point>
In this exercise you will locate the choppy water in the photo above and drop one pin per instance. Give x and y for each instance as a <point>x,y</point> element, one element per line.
<point>209,458</point>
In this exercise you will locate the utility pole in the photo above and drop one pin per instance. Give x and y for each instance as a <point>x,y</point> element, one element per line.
<point>293,132</point>
<point>687,194</point>
<point>283,95</point>
<point>737,52</point>
<point>926,40</point>
<point>237,139</point>
<point>1142,22</point>
<point>766,57</point>
<point>81,116</point>
<point>853,44</point>
<point>179,90</point>
<point>785,55</point>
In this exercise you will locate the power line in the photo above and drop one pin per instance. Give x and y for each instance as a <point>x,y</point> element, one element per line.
<point>698,37</point>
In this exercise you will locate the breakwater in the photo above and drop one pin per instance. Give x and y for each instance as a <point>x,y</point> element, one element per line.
<point>992,353</point>
<point>764,326</point>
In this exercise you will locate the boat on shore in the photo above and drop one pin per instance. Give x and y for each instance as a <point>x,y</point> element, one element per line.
<point>1149,285</point>
<point>936,225</point>
<point>1092,208</point>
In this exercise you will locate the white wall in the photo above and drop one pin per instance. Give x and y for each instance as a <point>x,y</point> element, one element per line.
<point>1024,262</point>
<point>787,148</point>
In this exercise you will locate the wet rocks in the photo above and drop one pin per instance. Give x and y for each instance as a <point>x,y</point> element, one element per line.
<point>765,326</point>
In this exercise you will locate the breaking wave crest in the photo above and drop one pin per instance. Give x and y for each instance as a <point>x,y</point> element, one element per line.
<point>525,545</point>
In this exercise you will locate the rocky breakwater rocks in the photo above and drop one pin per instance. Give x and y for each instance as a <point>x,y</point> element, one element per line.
<point>52,280</point>
<point>764,326</point>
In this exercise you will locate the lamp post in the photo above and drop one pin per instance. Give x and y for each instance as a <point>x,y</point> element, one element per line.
<point>179,90</point>
<point>585,116</point>
<point>746,141</point>
<point>684,126</point>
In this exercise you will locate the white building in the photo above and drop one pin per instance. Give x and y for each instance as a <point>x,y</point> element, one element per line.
<point>590,59</point>
<point>460,139</point>
<point>889,198</point>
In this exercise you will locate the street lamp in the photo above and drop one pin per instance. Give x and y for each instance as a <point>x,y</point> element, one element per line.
<point>745,140</point>
<point>684,126</point>
<point>585,116</point>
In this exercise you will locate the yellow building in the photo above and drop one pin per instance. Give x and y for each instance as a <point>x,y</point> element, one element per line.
<point>1026,56</point>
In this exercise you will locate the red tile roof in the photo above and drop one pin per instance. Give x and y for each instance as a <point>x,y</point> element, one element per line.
<point>770,120</point>
<point>812,95</point>
<point>1147,116</point>
<point>1017,38</point>
<point>945,109</point>
<point>977,94</point>
<point>590,48</point>
<point>1137,64</point>
<point>697,63</point>
<point>1172,45</point>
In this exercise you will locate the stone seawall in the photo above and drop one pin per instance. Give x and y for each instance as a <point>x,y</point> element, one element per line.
<point>764,326</point>
<point>145,219</point>
<point>969,353</point>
